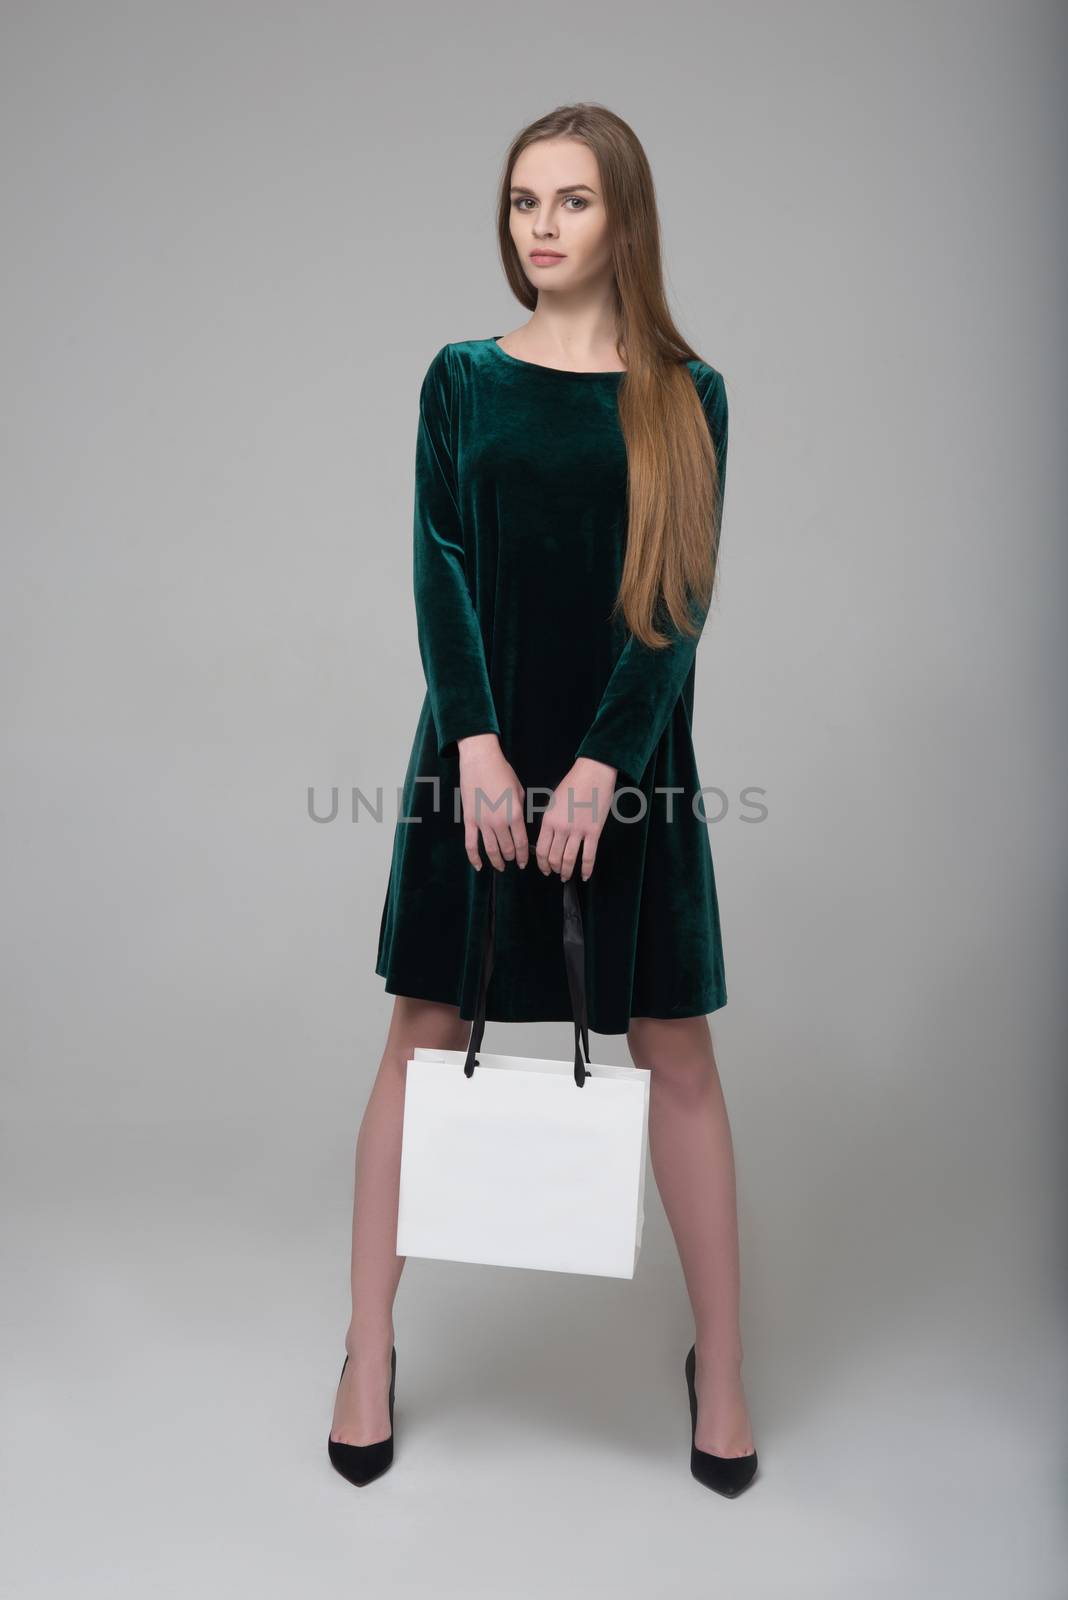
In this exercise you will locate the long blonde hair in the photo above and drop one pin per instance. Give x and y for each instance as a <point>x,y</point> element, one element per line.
<point>674,494</point>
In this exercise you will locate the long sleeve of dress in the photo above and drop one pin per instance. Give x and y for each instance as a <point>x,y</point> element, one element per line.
<point>449,634</point>
<point>645,684</point>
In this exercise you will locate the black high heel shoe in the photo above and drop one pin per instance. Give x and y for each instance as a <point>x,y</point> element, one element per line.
<point>361,1463</point>
<point>728,1475</point>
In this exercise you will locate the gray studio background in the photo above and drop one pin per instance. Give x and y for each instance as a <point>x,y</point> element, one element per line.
<point>234,237</point>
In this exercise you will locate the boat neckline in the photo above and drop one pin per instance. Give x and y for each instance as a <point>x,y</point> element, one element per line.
<point>559,372</point>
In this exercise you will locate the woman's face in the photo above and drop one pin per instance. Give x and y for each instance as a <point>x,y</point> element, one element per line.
<point>557,206</point>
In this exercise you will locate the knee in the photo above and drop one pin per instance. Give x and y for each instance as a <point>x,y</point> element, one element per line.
<point>672,1047</point>
<point>424,1022</point>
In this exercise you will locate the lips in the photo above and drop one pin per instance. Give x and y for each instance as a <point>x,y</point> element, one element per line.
<point>546,255</point>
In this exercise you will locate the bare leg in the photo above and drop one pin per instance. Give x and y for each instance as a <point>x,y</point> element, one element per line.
<point>361,1409</point>
<point>693,1162</point>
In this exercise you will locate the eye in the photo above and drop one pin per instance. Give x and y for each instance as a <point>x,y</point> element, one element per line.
<point>521,201</point>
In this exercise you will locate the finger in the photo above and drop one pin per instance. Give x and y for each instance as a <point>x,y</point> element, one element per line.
<point>522,843</point>
<point>570,855</point>
<point>471,846</point>
<point>545,839</point>
<point>505,842</point>
<point>589,852</point>
<point>493,849</point>
<point>556,852</point>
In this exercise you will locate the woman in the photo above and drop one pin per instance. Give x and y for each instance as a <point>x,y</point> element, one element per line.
<point>569,480</point>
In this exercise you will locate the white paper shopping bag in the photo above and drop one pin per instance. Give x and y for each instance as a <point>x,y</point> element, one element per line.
<point>517,1161</point>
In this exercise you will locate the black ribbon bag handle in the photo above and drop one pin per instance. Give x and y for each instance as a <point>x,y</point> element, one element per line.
<point>574,962</point>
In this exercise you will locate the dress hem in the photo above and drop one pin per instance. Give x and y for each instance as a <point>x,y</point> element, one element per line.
<point>715,1001</point>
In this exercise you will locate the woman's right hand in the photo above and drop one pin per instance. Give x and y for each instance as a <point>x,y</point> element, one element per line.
<point>497,812</point>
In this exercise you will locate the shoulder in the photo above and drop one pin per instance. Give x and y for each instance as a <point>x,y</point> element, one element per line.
<point>713,392</point>
<point>456,357</point>
<point>709,381</point>
<point>439,369</point>
<point>451,367</point>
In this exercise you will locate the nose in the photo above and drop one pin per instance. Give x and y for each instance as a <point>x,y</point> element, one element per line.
<point>544,228</point>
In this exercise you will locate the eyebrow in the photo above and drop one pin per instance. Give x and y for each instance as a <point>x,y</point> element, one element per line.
<point>569,188</point>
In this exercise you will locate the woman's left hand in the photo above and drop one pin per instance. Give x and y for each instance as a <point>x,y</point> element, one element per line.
<point>574,818</point>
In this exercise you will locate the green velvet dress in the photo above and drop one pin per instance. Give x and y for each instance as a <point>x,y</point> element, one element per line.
<point>520,532</point>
